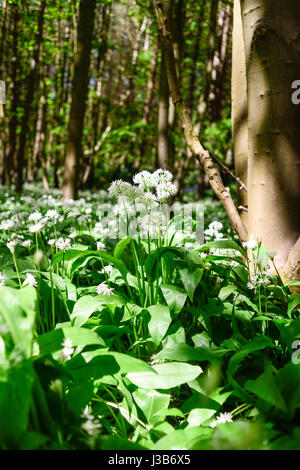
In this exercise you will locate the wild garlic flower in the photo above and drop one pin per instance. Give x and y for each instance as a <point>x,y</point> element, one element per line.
<point>12,245</point>
<point>223,418</point>
<point>144,180</point>
<point>104,289</point>
<point>30,281</point>
<point>100,246</point>
<point>51,242</point>
<point>68,349</point>
<point>36,228</point>
<point>53,215</point>
<point>62,244</point>
<point>27,243</point>
<point>148,200</point>
<point>119,188</point>
<point>107,269</point>
<point>250,243</point>
<point>91,427</point>
<point>165,190</point>
<point>6,224</point>
<point>161,177</point>
<point>35,217</point>
<point>3,278</point>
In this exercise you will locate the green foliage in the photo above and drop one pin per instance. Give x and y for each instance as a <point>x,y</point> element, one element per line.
<point>181,345</point>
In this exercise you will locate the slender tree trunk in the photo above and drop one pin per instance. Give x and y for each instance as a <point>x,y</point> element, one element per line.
<point>203,102</point>
<point>271,34</point>
<point>10,153</point>
<point>195,58</point>
<point>219,65</point>
<point>79,96</point>
<point>163,118</point>
<point>87,179</point>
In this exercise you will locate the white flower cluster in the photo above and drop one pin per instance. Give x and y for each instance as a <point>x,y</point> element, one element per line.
<point>251,243</point>
<point>63,244</point>
<point>30,281</point>
<point>222,418</point>
<point>259,279</point>
<point>213,231</point>
<point>104,289</point>
<point>160,181</point>
<point>90,425</point>
<point>3,279</point>
<point>68,349</point>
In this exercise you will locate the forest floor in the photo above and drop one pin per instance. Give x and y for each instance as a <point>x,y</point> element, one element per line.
<point>122,329</point>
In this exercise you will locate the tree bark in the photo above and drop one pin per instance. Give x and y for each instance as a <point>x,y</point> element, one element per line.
<point>79,96</point>
<point>272,47</point>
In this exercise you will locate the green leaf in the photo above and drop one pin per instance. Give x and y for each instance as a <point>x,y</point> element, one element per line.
<point>165,376</point>
<point>185,439</point>
<point>257,344</point>
<point>89,304</point>
<point>159,322</point>
<point>50,342</point>
<point>226,291</point>
<point>265,387</point>
<point>154,257</point>
<point>223,244</point>
<point>191,280</point>
<point>151,402</point>
<point>184,352</point>
<point>15,400</point>
<point>199,415</point>
<point>79,395</point>
<point>174,297</point>
<point>83,367</point>
<point>120,247</point>
<point>17,307</point>
<point>294,302</point>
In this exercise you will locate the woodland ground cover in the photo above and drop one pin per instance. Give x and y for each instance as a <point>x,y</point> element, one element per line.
<point>155,340</point>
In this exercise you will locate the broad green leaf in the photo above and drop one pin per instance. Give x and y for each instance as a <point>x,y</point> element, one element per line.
<point>120,247</point>
<point>15,400</point>
<point>199,415</point>
<point>191,280</point>
<point>165,376</point>
<point>174,297</point>
<point>223,244</point>
<point>184,352</point>
<point>83,368</point>
<point>17,308</point>
<point>50,342</point>
<point>226,291</point>
<point>257,344</point>
<point>159,322</point>
<point>265,387</point>
<point>184,439</point>
<point>151,402</point>
<point>294,302</point>
<point>79,395</point>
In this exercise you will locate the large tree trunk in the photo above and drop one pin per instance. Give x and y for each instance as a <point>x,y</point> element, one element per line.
<point>79,96</point>
<point>271,34</point>
<point>239,108</point>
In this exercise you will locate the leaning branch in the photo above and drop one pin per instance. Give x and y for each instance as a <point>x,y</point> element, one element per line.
<point>192,140</point>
